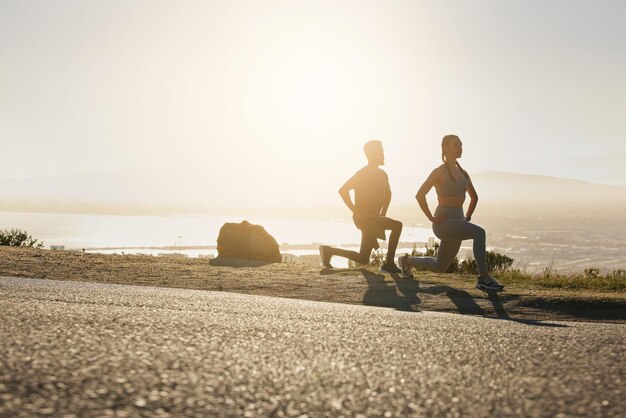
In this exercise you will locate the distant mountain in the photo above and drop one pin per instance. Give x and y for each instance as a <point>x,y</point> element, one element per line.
<point>605,169</point>
<point>132,189</point>
<point>522,195</point>
<point>194,191</point>
<point>525,195</point>
<point>535,188</point>
<point>161,191</point>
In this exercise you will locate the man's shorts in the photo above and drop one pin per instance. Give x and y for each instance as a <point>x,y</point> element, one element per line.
<point>372,228</point>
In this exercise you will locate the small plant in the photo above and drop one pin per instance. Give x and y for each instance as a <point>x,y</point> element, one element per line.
<point>592,272</point>
<point>18,238</point>
<point>550,270</point>
<point>618,274</point>
<point>431,250</point>
<point>496,263</point>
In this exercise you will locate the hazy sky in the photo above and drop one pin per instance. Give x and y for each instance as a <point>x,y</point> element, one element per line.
<point>282,94</point>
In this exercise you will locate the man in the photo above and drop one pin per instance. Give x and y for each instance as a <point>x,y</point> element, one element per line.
<point>372,196</point>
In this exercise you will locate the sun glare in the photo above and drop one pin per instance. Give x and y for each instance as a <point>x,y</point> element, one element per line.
<point>314,89</point>
<point>308,89</point>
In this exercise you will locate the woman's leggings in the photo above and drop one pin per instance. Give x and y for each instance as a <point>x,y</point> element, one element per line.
<point>451,232</point>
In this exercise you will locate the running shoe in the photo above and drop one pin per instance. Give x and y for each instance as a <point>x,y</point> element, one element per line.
<point>405,268</point>
<point>325,257</point>
<point>489,283</point>
<point>390,268</point>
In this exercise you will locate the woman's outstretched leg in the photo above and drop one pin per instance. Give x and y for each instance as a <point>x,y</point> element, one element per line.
<point>448,249</point>
<point>453,231</point>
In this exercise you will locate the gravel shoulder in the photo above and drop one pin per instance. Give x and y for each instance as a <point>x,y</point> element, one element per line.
<point>427,292</point>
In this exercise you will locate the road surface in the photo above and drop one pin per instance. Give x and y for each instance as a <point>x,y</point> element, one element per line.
<point>86,349</point>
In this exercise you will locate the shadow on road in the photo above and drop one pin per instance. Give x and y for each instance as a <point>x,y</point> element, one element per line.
<point>464,302</point>
<point>501,312</point>
<point>600,310</point>
<point>404,294</point>
<point>381,293</point>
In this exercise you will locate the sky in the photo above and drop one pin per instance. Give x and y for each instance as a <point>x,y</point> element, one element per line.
<point>273,100</point>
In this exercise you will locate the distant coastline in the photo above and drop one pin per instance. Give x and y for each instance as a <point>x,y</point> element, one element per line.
<point>501,194</point>
<point>282,247</point>
<point>567,243</point>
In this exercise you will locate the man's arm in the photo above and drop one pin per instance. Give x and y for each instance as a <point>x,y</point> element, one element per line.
<point>387,201</point>
<point>344,192</point>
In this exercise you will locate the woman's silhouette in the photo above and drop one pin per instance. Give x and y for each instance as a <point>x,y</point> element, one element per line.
<point>450,225</point>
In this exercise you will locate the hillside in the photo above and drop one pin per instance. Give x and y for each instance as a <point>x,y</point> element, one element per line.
<point>137,192</point>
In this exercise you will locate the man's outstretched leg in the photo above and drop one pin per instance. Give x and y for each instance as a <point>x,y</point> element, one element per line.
<point>361,257</point>
<point>368,242</point>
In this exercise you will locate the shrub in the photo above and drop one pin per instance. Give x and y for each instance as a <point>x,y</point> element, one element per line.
<point>618,274</point>
<point>496,263</point>
<point>592,272</point>
<point>18,238</point>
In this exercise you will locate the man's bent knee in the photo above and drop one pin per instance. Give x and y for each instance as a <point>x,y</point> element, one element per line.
<point>396,226</point>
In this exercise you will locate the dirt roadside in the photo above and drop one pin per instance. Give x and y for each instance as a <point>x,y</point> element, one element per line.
<point>427,292</point>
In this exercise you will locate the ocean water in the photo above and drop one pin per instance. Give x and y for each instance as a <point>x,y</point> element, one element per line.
<point>145,234</point>
<point>561,244</point>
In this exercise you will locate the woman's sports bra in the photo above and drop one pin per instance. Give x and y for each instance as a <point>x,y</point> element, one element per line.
<point>449,187</point>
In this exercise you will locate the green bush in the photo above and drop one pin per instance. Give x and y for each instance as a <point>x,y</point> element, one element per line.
<point>496,263</point>
<point>618,274</point>
<point>18,238</point>
<point>592,272</point>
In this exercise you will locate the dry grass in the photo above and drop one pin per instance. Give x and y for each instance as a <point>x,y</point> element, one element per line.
<point>614,282</point>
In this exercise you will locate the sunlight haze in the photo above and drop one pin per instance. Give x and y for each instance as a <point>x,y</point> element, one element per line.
<point>269,103</point>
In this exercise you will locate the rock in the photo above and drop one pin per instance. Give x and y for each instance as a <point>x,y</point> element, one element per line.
<point>248,241</point>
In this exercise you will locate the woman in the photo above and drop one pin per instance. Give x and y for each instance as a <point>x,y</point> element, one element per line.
<point>449,224</point>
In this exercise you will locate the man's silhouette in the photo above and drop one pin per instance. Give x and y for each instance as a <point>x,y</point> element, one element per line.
<point>372,196</point>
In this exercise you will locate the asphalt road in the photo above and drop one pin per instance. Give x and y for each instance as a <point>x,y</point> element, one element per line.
<point>83,349</point>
